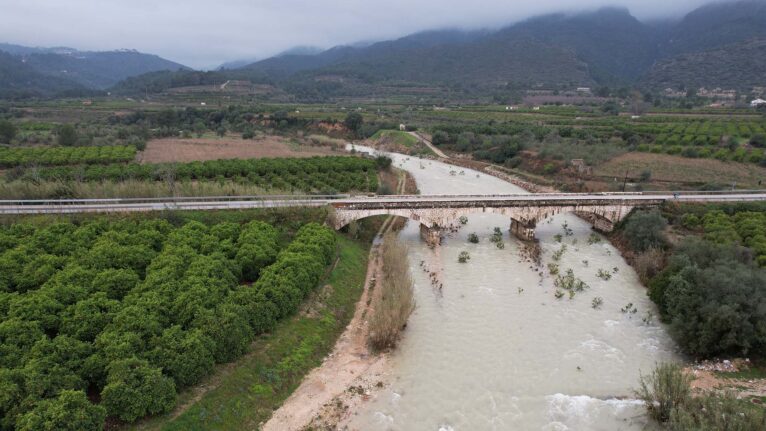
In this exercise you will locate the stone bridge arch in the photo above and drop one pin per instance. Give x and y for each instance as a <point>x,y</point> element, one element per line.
<point>524,218</point>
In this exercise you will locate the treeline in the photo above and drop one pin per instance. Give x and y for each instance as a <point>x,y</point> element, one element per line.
<point>322,174</point>
<point>710,287</point>
<point>127,313</point>
<point>495,148</point>
<point>175,122</point>
<point>11,157</point>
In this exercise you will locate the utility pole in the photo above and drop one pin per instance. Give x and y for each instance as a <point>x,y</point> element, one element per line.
<point>625,182</point>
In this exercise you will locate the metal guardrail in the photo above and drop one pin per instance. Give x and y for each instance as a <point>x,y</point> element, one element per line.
<point>179,199</point>
<point>259,201</point>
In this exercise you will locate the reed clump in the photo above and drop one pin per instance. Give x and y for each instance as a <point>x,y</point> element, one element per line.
<point>395,301</point>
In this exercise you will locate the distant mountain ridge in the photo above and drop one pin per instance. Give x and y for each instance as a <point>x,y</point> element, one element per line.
<point>90,69</point>
<point>608,46</point>
<point>714,45</point>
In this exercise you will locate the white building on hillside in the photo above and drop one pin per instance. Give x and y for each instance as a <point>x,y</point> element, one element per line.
<point>757,102</point>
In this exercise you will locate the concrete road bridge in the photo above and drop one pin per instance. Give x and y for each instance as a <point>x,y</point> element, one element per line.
<point>432,212</point>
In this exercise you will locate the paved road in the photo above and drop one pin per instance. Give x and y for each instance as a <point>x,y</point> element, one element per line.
<point>248,202</point>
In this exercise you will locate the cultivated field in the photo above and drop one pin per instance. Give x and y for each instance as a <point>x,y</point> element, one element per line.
<point>678,169</point>
<point>189,150</point>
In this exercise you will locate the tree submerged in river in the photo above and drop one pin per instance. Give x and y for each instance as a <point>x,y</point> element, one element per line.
<point>463,257</point>
<point>570,283</point>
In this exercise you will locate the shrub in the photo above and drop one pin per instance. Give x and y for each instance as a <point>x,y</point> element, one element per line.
<point>463,257</point>
<point>758,141</point>
<point>644,230</point>
<point>393,306</point>
<point>664,390</point>
<point>135,389</point>
<point>7,131</point>
<point>717,412</point>
<point>69,411</point>
<point>713,297</point>
<point>473,238</point>
<point>67,135</point>
<point>667,396</point>
<point>649,263</point>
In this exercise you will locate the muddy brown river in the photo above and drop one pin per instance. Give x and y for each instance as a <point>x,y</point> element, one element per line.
<point>494,349</point>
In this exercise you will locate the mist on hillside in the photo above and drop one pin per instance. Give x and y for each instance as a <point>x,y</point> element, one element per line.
<point>199,35</point>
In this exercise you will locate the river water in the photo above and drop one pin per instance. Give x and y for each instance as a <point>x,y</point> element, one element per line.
<point>494,349</point>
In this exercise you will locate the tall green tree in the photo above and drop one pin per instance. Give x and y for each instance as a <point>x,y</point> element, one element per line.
<point>67,135</point>
<point>7,131</point>
<point>644,230</point>
<point>354,121</point>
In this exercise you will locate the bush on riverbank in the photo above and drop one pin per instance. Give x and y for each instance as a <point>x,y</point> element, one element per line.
<point>395,303</point>
<point>714,298</point>
<point>667,395</point>
<point>644,230</point>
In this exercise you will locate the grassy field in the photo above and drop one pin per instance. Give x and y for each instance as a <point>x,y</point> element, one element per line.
<point>396,137</point>
<point>683,170</point>
<point>242,394</point>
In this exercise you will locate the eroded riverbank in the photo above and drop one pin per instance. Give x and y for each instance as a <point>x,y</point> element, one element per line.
<point>495,349</point>
<point>490,346</point>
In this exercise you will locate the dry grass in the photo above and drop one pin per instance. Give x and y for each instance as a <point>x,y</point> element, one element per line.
<point>229,147</point>
<point>393,306</point>
<point>648,264</point>
<point>683,170</point>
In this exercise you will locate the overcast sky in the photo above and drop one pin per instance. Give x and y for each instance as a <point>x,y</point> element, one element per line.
<point>204,33</point>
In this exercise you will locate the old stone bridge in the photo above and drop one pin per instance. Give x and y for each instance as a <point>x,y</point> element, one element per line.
<point>602,210</point>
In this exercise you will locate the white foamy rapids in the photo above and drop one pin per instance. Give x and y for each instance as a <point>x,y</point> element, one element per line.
<point>488,349</point>
<point>582,412</point>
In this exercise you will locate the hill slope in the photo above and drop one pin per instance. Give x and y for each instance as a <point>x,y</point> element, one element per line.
<point>98,70</point>
<point>18,79</point>
<point>715,25</point>
<point>740,65</point>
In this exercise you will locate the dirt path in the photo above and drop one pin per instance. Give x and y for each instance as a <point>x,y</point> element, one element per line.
<point>428,143</point>
<point>329,394</point>
<point>344,379</point>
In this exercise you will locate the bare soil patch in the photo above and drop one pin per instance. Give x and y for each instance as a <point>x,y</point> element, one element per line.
<point>677,169</point>
<point>331,392</point>
<point>188,150</point>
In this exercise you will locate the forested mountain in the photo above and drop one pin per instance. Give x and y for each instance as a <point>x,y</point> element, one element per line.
<point>608,46</point>
<point>719,45</point>
<point>95,70</point>
<point>18,79</point>
<point>741,65</point>
<point>616,47</point>
<point>716,25</point>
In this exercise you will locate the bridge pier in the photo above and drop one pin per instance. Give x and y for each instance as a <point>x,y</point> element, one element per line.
<point>523,230</point>
<point>431,235</point>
